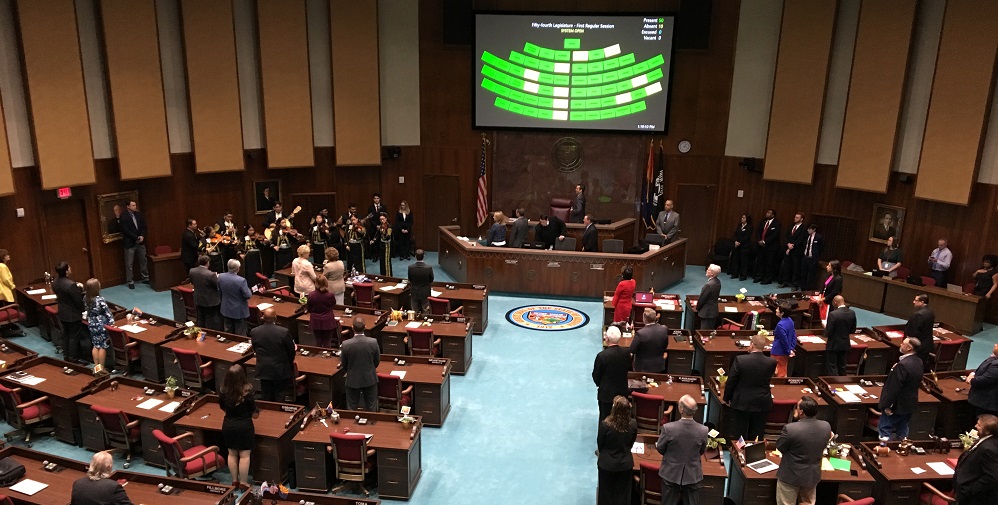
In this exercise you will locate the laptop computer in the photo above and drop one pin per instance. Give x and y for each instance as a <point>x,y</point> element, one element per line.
<point>755,458</point>
<point>644,297</point>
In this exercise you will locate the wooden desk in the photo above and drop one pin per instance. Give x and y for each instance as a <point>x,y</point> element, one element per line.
<point>33,306</point>
<point>158,330</point>
<point>680,359</point>
<point>60,483</point>
<point>296,498</point>
<point>749,487</point>
<point>783,388</point>
<point>430,378</point>
<point>896,483</point>
<point>719,351</point>
<point>851,418</point>
<point>623,229</point>
<point>473,297</point>
<point>275,427</point>
<point>129,394</point>
<point>62,389</point>
<point>962,311</point>
<point>143,488</point>
<point>893,335</point>
<point>390,298</point>
<point>211,349</point>
<point>668,306</point>
<point>672,388</point>
<point>810,359</point>
<point>323,375</point>
<point>864,291</point>
<point>455,340</point>
<point>166,270</point>
<point>956,415</point>
<point>399,453</point>
<point>714,474</point>
<point>561,273</point>
<point>728,307</point>
<point>13,355</point>
<point>374,319</point>
<point>286,308</point>
<point>800,303</point>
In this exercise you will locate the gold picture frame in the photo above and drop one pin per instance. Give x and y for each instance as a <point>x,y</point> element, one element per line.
<point>887,221</point>
<point>110,229</point>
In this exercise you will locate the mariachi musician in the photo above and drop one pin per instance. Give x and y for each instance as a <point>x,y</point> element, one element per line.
<point>355,238</point>
<point>384,243</point>
<point>212,247</point>
<point>319,238</point>
<point>285,242</point>
<point>229,235</point>
<point>250,248</point>
<point>191,245</point>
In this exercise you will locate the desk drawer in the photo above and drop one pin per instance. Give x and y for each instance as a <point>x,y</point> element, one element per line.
<point>393,482</point>
<point>760,492</point>
<point>431,393</point>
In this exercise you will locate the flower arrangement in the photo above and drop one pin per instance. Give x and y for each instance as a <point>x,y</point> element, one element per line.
<point>192,330</point>
<point>407,420</point>
<point>762,330</point>
<point>395,315</point>
<point>714,441</point>
<point>303,299</point>
<point>741,295</point>
<point>171,386</point>
<point>969,438</point>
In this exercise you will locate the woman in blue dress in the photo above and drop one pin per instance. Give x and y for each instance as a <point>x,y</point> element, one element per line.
<point>98,315</point>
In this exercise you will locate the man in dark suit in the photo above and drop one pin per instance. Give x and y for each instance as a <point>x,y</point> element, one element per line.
<point>976,477</point>
<point>667,223</point>
<point>590,237</point>
<point>841,323</point>
<point>814,243</point>
<point>707,303</point>
<point>96,488</point>
<point>235,295</point>
<point>886,228</point>
<point>768,252</point>
<point>549,230</point>
<point>275,357</point>
<point>133,229</point>
<point>374,212</point>
<point>610,371</point>
<point>650,344</point>
<point>207,300</point>
<point>681,443</point>
<point>899,397</point>
<point>984,385</point>
<point>802,445</point>
<point>793,253</point>
<point>191,244</point>
<point>747,390</point>
<point>360,357</point>
<point>421,277</point>
<point>69,294</point>
<point>275,215</point>
<point>578,210</point>
<point>920,325</point>
<point>519,229</point>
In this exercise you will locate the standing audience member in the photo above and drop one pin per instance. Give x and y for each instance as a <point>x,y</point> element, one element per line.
<point>235,294</point>
<point>7,286</point>
<point>98,315</point>
<point>133,229</point>
<point>496,236</point>
<point>802,445</point>
<point>518,232</point>
<point>741,255</point>
<point>206,297</point>
<point>841,323</point>
<point>70,297</point>
<point>747,389</point>
<point>321,318</point>
<point>986,277</point>
<point>768,252</point>
<point>900,393</point>
<point>920,326</point>
<point>403,230</point>
<point>333,270</point>
<point>832,287</point>
<point>623,296</point>
<point>813,245</point>
<point>610,371</point>
<point>984,385</point>
<point>360,358</point>
<point>303,271</point>
<point>421,278</point>
<point>667,223</point>
<point>784,340</point>
<point>790,264</point>
<point>939,262</point>
<point>275,357</point>
<point>650,344</point>
<point>578,210</point>
<point>238,432</point>
<point>976,478</point>
<point>681,444</point>
<point>590,237</point>
<point>615,464</point>
<point>96,488</point>
<point>890,258</point>
<point>707,303</point>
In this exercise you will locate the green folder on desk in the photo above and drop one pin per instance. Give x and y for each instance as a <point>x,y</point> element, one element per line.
<point>840,464</point>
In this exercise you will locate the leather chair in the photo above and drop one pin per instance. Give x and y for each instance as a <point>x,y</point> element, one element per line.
<point>746,324</point>
<point>187,295</point>
<point>26,416</point>
<point>781,414</point>
<point>299,387</point>
<point>126,350</point>
<point>10,315</point>
<point>191,463</point>
<point>903,272</point>
<point>613,245</point>
<point>650,412</point>
<point>255,317</point>
<point>364,295</point>
<point>637,314</point>
<point>194,373</point>
<point>441,307</point>
<point>855,357</point>
<point>928,281</point>
<point>946,351</point>
<point>844,498</point>
<point>120,432</point>
<point>720,253</point>
<point>561,208</point>
<point>5,500</point>
<point>565,245</point>
<point>422,343</point>
<point>931,495</point>
<point>282,291</point>
<point>391,396</point>
<point>650,484</point>
<point>53,324</point>
<point>353,459</point>
<point>969,287</point>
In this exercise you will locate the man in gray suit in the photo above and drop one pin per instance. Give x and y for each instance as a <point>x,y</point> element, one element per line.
<point>682,444</point>
<point>707,303</point>
<point>235,294</point>
<point>650,344</point>
<point>801,444</point>
<point>518,233</point>
<point>360,357</point>
<point>206,297</point>
<point>667,224</point>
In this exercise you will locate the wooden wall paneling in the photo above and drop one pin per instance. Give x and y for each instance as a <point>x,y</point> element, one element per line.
<point>356,99</point>
<point>6,168</point>
<point>27,261</point>
<point>57,100</point>
<point>799,89</point>
<point>876,89</point>
<point>136,82</point>
<point>213,85</point>
<point>959,105</point>
<point>284,72</point>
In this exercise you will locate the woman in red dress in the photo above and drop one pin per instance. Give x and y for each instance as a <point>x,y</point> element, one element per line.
<point>623,296</point>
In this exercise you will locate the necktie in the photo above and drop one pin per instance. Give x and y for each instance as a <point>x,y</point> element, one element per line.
<point>667,214</point>
<point>795,229</point>
<point>810,242</point>
<point>134,221</point>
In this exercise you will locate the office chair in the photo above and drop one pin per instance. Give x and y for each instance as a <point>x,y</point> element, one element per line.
<point>650,484</point>
<point>391,396</point>
<point>441,307</point>
<point>53,324</point>
<point>364,296</point>
<point>748,323</point>
<point>613,246</point>
<point>650,412</point>
<point>945,355</point>
<point>560,208</point>
<point>353,459</point>
<point>844,498</point>
<point>28,416</point>
<point>126,350</point>
<point>119,431</point>
<point>780,414</point>
<point>565,245</point>
<point>931,495</point>
<point>191,463</point>
<point>422,343</point>
<point>10,315</point>
<point>193,373</point>
<point>855,357</point>
<point>187,295</point>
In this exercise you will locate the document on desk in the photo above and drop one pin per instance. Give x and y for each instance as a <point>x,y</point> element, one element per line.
<point>169,407</point>
<point>28,486</point>
<point>917,470</point>
<point>848,397</point>
<point>264,306</point>
<point>436,294</point>
<point>27,380</point>
<point>48,297</point>
<point>389,288</point>
<point>731,309</point>
<point>132,328</point>
<point>940,467</point>
<point>811,339</point>
<point>855,388</point>
<point>35,291</point>
<point>638,448</point>
<point>240,347</point>
<point>414,324</point>
<point>398,373</point>
<point>149,404</point>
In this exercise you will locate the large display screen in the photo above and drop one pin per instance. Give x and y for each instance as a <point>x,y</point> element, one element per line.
<point>588,72</point>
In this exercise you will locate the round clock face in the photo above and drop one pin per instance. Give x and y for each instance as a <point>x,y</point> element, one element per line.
<point>685,146</point>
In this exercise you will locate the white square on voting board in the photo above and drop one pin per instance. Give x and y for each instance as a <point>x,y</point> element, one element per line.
<point>149,404</point>
<point>28,486</point>
<point>398,373</point>
<point>388,288</point>
<point>940,467</point>
<point>240,347</point>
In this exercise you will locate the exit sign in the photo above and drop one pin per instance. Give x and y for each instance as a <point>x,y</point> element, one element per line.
<point>64,193</point>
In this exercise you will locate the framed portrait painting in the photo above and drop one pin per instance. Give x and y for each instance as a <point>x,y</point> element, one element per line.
<point>887,222</point>
<point>266,193</point>
<point>110,207</point>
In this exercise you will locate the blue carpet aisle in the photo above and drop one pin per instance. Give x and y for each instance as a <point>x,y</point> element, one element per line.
<point>522,421</point>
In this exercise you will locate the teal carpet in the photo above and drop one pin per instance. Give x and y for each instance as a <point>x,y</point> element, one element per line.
<point>522,421</point>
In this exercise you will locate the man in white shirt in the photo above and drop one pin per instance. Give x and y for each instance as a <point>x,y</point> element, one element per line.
<point>939,262</point>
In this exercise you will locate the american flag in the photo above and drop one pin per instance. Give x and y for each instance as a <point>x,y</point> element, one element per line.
<point>483,188</point>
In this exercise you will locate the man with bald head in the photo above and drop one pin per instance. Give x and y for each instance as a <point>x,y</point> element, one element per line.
<point>841,323</point>
<point>747,389</point>
<point>610,371</point>
<point>275,357</point>
<point>681,443</point>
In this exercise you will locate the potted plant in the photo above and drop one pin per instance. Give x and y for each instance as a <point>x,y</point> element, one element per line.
<point>171,386</point>
<point>969,438</point>
<point>192,330</point>
<point>721,379</point>
<point>407,421</point>
<point>714,444</point>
